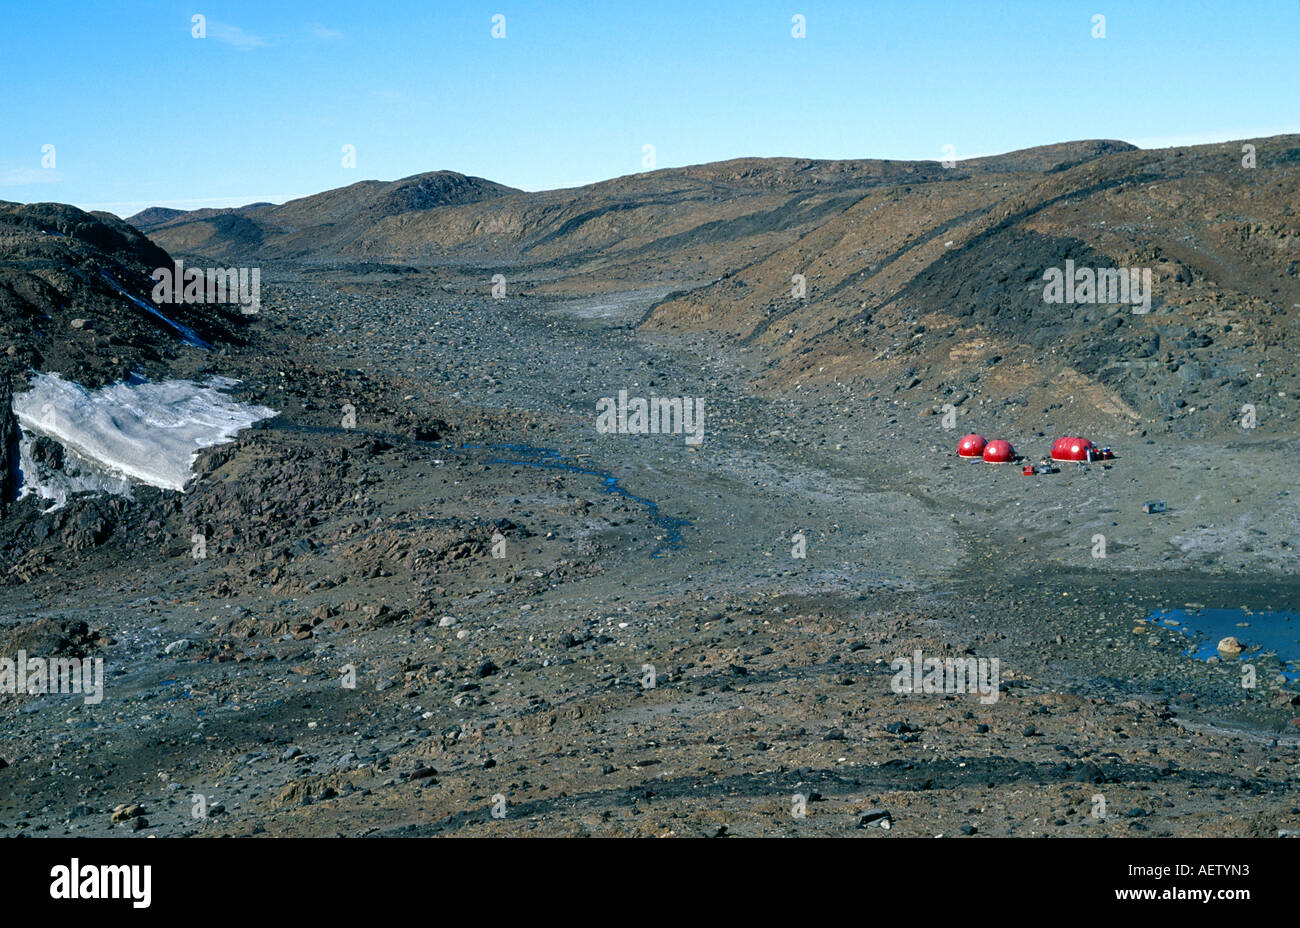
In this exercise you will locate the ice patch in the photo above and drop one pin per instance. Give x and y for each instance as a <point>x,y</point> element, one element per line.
<point>72,475</point>
<point>147,432</point>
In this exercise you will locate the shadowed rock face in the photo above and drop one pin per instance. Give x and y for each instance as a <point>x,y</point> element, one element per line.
<point>60,311</point>
<point>936,293</point>
<point>9,473</point>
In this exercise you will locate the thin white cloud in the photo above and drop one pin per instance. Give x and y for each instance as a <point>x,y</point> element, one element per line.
<point>236,37</point>
<point>317,31</point>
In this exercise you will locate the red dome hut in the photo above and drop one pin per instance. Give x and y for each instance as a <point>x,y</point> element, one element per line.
<point>971,446</point>
<point>999,452</point>
<point>1072,448</point>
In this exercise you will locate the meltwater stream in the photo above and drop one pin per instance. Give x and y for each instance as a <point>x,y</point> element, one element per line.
<point>542,458</point>
<point>550,459</point>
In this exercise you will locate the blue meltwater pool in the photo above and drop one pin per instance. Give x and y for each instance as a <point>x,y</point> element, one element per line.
<point>1258,631</point>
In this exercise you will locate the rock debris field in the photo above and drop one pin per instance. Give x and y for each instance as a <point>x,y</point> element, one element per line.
<point>432,599</point>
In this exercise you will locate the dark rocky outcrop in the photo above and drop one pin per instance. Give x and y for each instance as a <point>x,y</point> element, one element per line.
<point>9,473</point>
<point>60,310</point>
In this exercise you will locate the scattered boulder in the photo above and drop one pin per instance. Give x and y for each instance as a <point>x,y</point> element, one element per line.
<point>1229,648</point>
<point>880,817</point>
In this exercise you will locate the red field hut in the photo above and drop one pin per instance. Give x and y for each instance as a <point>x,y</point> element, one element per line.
<point>971,446</point>
<point>999,452</point>
<point>1072,448</point>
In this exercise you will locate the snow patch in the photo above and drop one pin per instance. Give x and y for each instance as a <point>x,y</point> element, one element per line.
<point>147,432</point>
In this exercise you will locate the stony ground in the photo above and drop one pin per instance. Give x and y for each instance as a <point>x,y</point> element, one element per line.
<point>620,671</point>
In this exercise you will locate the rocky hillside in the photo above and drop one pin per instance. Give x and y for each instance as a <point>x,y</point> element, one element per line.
<point>935,294</point>
<point>924,285</point>
<point>323,226</point>
<point>684,224</point>
<point>69,285</point>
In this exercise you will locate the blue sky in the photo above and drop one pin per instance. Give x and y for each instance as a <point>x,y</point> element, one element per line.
<point>140,112</point>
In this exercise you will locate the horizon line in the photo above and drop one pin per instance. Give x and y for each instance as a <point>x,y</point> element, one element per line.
<point>126,208</point>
